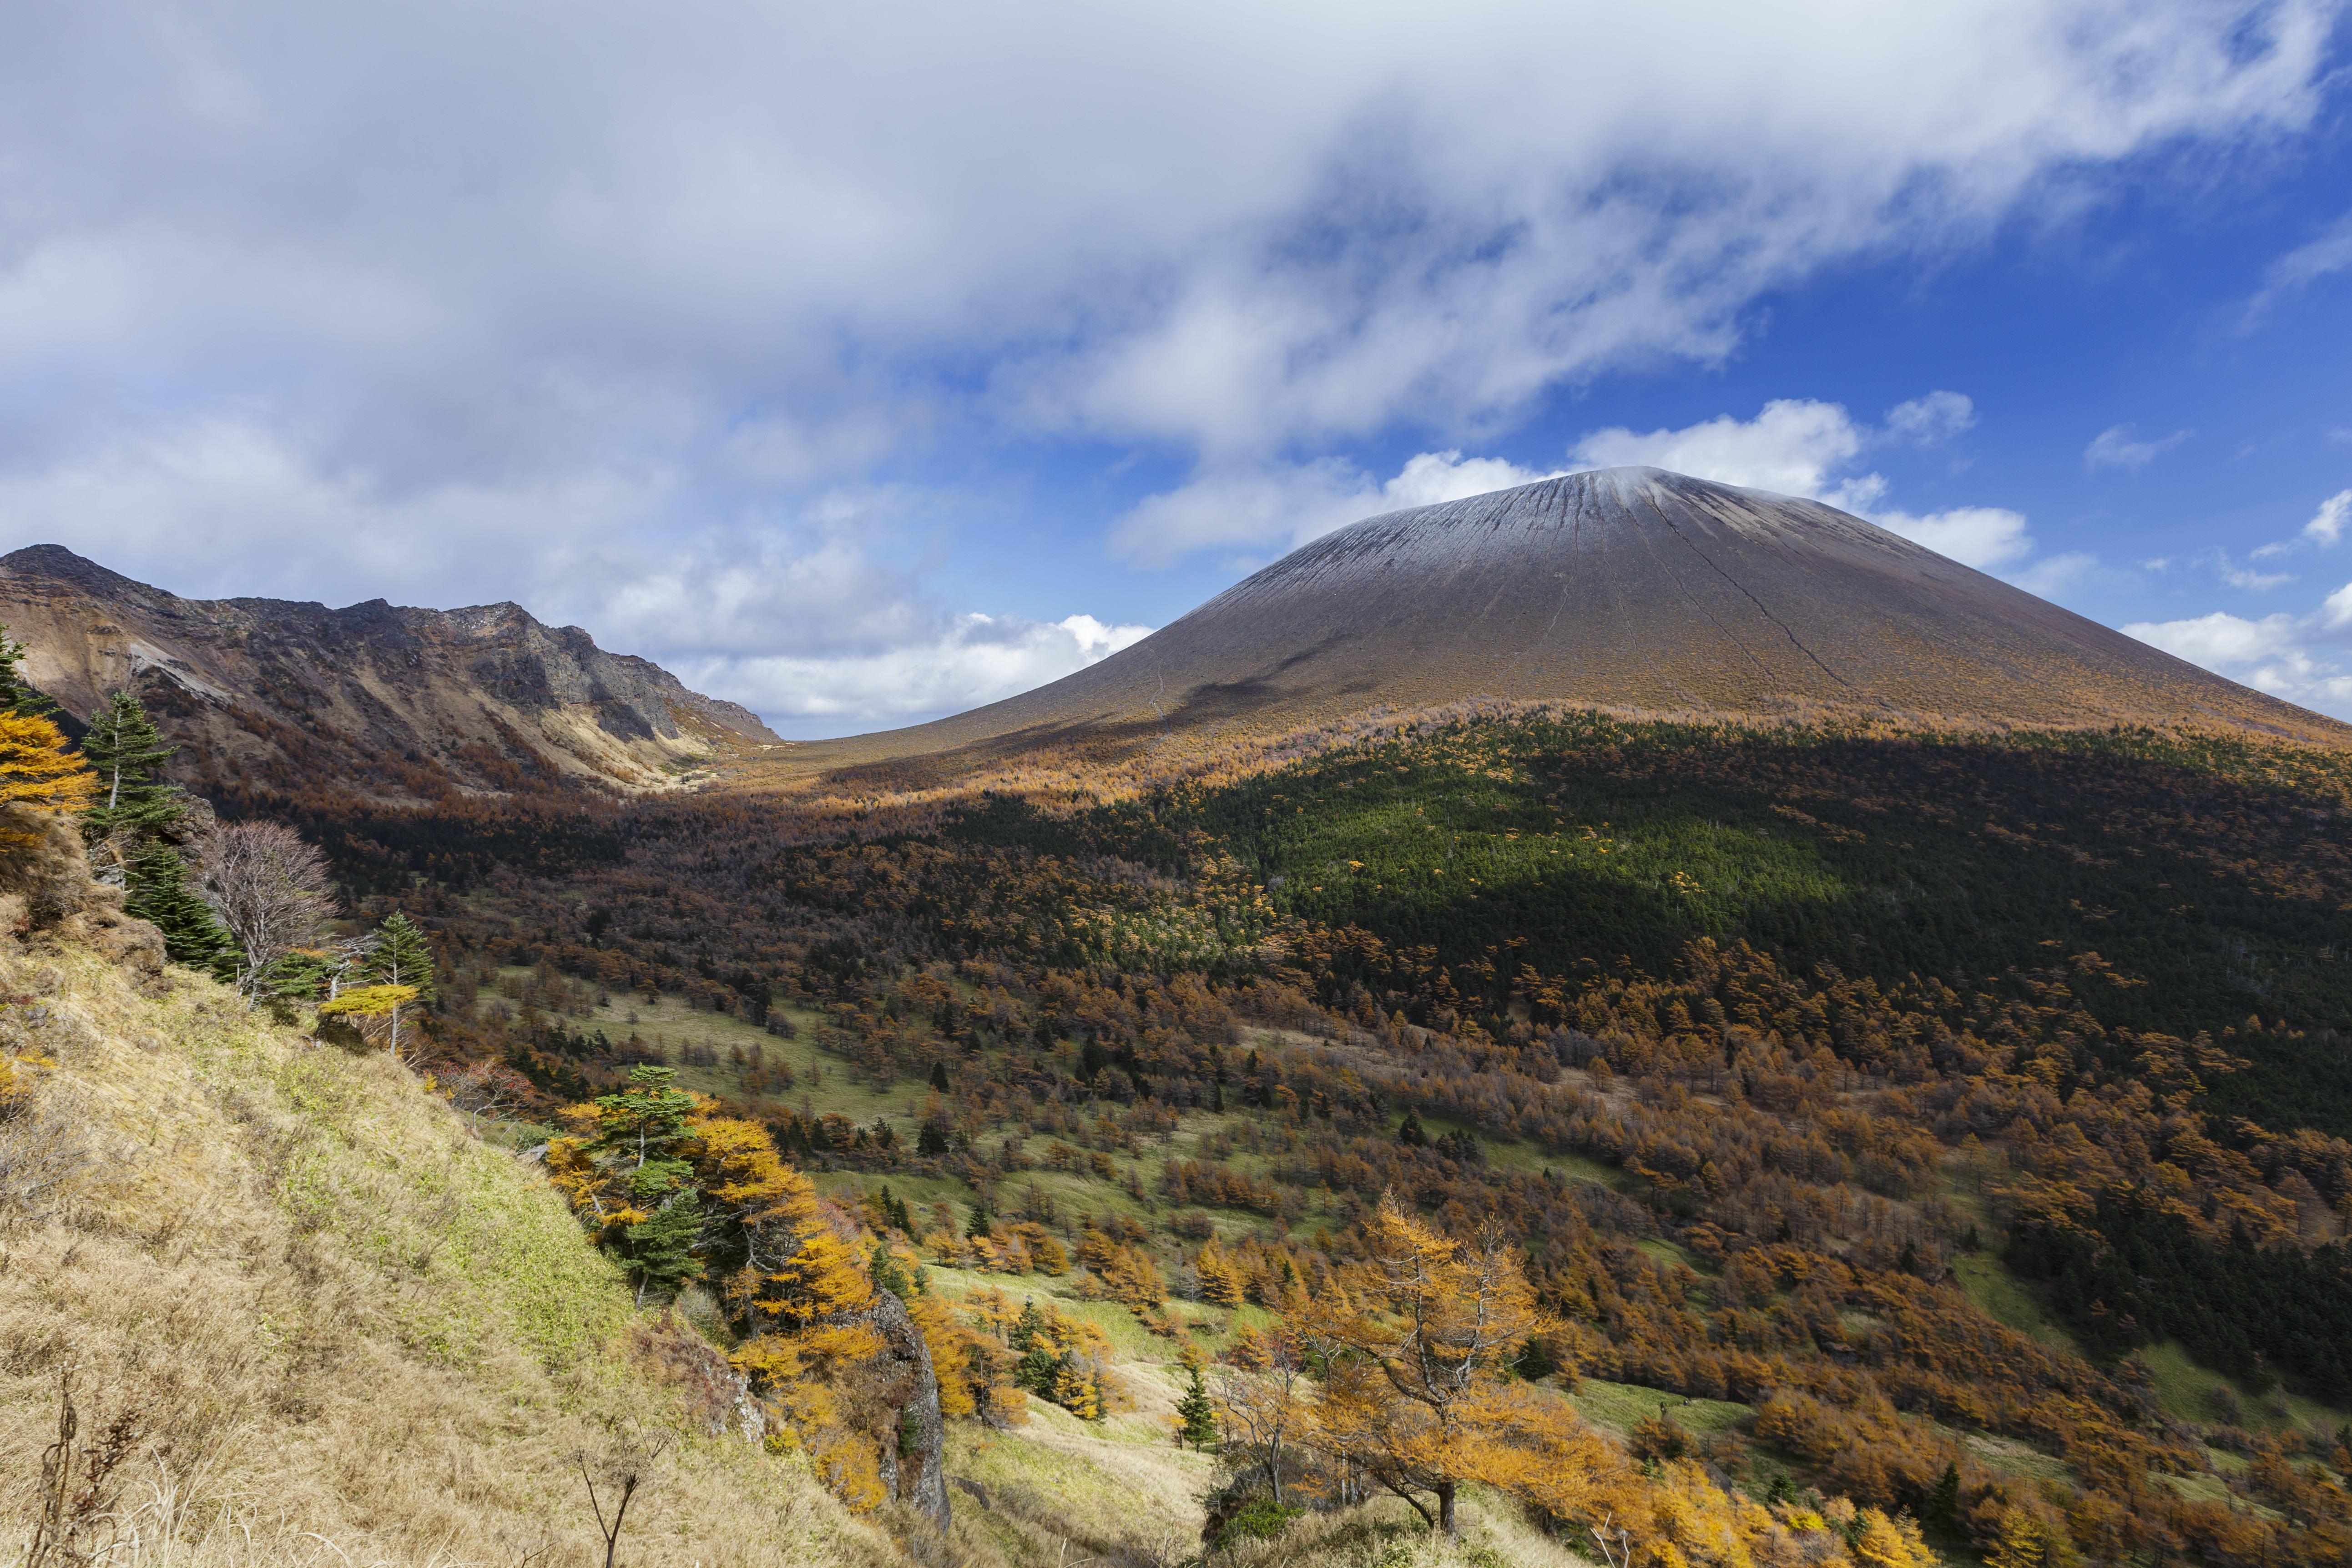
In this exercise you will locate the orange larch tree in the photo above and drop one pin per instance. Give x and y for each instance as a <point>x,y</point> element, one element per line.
<point>1416,1339</point>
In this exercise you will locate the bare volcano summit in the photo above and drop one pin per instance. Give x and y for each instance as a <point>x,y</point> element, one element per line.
<point>1624,588</point>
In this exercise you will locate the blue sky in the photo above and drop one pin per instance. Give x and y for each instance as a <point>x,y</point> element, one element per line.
<point>867,364</point>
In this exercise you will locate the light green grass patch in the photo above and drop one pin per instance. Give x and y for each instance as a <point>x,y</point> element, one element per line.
<point>2184,1388</point>
<point>1618,1407</point>
<point>2006,1300</point>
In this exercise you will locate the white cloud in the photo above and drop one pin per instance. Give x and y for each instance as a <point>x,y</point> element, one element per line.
<point>802,618</point>
<point>1792,448</point>
<point>430,296</point>
<point>2115,449</point>
<point>1938,417</point>
<point>963,663</point>
<point>2303,658</point>
<point>1252,508</point>
<point>2326,525</point>
<point>1983,536</point>
<point>2331,252</point>
<point>2238,576</point>
<point>1798,447</point>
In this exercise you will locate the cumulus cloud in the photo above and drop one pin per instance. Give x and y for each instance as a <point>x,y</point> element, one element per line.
<point>803,616</point>
<point>2115,449</point>
<point>2306,658</point>
<point>1285,506</point>
<point>2299,658</point>
<point>1983,536</point>
<point>1792,448</point>
<point>962,663</point>
<point>1798,447</point>
<point>502,292</point>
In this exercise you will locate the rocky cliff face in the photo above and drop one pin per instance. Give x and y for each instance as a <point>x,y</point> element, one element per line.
<point>376,700</point>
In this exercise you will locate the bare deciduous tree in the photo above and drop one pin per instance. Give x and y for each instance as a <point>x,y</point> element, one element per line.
<point>1264,1415</point>
<point>485,1088</point>
<point>271,889</point>
<point>626,1465</point>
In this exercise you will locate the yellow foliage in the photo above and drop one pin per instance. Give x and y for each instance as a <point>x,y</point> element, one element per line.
<point>37,774</point>
<point>367,1001</point>
<point>1414,1393</point>
<point>1891,1542</point>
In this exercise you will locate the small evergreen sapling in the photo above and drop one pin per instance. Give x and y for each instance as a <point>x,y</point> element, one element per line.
<point>1196,1416</point>
<point>402,957</point>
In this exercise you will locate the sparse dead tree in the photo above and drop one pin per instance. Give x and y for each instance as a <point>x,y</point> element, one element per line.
<point>77,1487</point>
<point>485,1088</point>
<point>271,890</point>
<point>626,1467</point>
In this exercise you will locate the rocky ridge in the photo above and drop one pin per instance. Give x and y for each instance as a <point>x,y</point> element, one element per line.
<point>373,699</point>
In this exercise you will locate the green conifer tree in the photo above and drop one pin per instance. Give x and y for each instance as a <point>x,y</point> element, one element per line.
<point>643,1127</point>
<point>1197,1417</point>
<point>137,813</point>
<point>158,879</point>
<point>661,1246</point>
<point>127,751</point>
<point>402,955</point>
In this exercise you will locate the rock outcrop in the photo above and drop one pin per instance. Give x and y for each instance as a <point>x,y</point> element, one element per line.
<point>914,1467</point>
<point>373,699</point>
<point>46,893</point>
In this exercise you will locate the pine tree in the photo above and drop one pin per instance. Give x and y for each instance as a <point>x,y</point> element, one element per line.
<point>661,1247</point>
<point>158,879</point>
<point>939,1077</point>
<point>1197,1416</point>
<point>1944,1506</point>
<point>644,1125</point>
<point>403,956</point>
<point>127,751</point>
<point>134,816</point>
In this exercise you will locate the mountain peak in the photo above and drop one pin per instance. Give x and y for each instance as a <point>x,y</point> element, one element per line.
<point>1629,588</point>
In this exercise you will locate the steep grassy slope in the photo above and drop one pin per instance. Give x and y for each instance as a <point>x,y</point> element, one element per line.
<point>339,1327</point>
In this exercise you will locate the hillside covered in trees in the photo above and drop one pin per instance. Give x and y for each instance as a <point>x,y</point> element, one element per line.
<point>1877,1143</point>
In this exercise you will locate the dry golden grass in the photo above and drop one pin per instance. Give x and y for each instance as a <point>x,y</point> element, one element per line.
<point>349,1333</point>
<point>1385,1533</point>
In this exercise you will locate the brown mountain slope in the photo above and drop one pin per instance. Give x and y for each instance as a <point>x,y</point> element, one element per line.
<point>375,699</point>
<point>1626,588</point>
